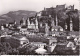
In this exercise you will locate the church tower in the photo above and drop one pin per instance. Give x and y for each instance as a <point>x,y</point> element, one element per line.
<point>32,25</point>
<point>46,29</point>
<point>24,22</point>
<point>66,26</point>
<point>71,25</point>
<point>52,24</point>
<point>36,23</point>
<point>28,23</point>
<point>56,20</point>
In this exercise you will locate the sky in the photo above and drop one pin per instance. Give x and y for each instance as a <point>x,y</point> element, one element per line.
<point>33,5</point>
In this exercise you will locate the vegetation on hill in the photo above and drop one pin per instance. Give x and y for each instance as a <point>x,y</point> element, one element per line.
<point>16,15</point>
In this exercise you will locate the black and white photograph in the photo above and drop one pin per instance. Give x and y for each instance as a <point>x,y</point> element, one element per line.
<point>39,27</point>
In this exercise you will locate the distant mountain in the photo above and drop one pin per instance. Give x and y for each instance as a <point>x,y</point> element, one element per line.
<point>16,15</point>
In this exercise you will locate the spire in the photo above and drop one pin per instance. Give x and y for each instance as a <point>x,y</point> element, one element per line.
<point>24,21</point>
<point>36,23</point>
<point>71,25</point>
<point>66,26</point>
<point>46,29</point>
<point>53,24</point>
<point>56,20</point>
<point>28,23</point>
<point>52,21</point>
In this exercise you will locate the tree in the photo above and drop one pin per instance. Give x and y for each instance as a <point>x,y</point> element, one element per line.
<point>75,18</point>
<point>62,16</point>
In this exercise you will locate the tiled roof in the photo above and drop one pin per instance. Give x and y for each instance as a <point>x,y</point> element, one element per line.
<point>37,42</point>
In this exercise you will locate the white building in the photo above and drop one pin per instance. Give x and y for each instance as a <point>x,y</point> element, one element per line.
<point>2,27</point>
<point>56,28</point>
<point>41,51</point>
<point>39,44</point>
<point>39,13</point>
<point>23,40</point>
<point>71,44</point>
<point>52,40</point>
<point>32,25</point>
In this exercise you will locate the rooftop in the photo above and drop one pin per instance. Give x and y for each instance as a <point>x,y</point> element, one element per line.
<point>37,43</point>
<point>74,33</point>
<point>57,27</point>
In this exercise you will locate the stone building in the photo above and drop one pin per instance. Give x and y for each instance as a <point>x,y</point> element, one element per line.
<point>32,24</point>
<point>39,44</point>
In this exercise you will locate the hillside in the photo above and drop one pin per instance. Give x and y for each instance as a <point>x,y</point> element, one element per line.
<point>16,15</point>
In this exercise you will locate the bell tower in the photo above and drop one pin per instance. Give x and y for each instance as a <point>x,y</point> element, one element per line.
<point>66,26</point>
<point>46,29</point>
<point>28,23</point>
<point>71,24</point>
<point>56,20</point>
<point>36,23</point>
<point>24,23</point>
